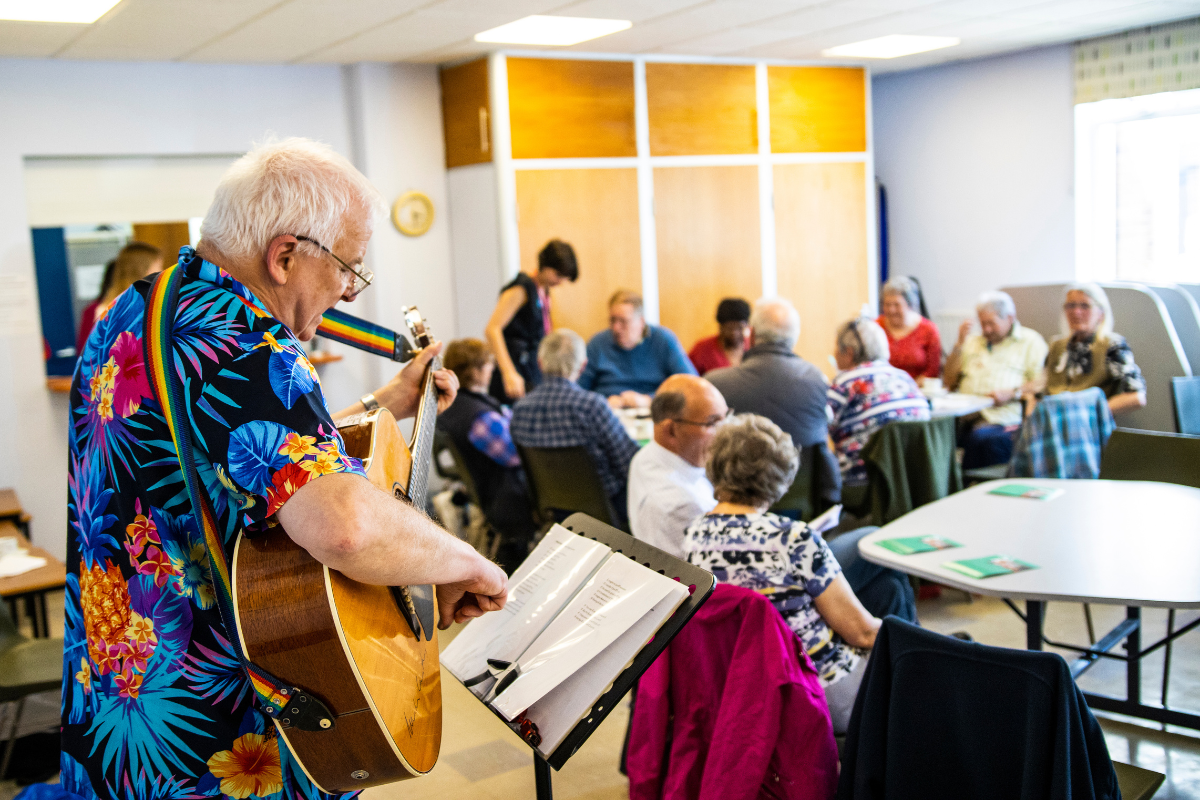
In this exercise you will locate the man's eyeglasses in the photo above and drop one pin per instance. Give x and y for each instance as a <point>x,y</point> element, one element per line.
<point>361,279</point>
<point>1077,306</point>
<point>712,423</point>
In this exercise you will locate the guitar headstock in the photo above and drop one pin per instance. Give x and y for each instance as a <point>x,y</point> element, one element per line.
<point>418,327</point>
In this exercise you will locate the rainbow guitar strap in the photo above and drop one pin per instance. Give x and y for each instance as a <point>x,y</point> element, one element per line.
<point>341,327</point>
<point>288,705</point>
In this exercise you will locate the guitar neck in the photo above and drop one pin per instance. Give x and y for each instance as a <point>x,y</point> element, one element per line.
<point>421,446</point>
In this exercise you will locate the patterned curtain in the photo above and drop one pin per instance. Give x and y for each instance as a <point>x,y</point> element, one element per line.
<point>1163,58</point>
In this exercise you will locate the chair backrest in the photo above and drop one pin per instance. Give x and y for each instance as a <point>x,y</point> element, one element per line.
<point>563,480</point>
<point>1152,456</point>
<point>1063,437</point>
<point>801,499</point>
<point>1186,394</point>
<point>909,464</point>
<point>443,442</point>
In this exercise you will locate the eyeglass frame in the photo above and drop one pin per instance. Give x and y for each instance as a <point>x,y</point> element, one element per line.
<point>366,279</point>
<point>712,423</point>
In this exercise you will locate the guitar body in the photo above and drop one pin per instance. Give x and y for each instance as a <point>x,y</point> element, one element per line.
<point>369,653</point>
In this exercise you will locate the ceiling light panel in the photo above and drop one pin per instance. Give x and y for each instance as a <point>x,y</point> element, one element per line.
<point>80,11</point>
<point>556,31</point>
<point>892,46</point>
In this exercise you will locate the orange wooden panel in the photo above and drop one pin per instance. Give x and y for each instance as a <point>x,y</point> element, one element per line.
<point>596,210</point>
<point>166,236</point>
<point>570,109</point>
<point>821,245</point>
<point>708,244</point>
<point>466,113</point>
<point>817,109</point>
<point>701,109</point>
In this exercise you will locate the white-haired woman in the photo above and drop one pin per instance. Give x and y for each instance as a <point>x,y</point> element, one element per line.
<point>866,394</point>
<point>913,340</point>
<point>1092,354</point>
<point>751,465</point>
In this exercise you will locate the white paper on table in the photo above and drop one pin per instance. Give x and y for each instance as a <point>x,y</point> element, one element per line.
<point>559,711</point>
<point>827,520</point>
<point>19,563</point>
<point>616,597</point>
<point>541,586</point>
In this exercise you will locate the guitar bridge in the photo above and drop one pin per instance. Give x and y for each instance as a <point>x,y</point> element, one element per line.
<point>416,604</point>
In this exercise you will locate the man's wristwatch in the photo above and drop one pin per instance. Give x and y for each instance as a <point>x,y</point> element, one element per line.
<point>369,402</point>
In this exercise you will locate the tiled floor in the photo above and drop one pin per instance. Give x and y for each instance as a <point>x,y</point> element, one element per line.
<point>482,760</point>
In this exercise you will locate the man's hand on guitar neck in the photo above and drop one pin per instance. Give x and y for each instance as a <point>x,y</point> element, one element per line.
<point>402,394</point>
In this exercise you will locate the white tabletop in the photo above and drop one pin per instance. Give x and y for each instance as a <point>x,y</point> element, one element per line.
<point>637,424</point>
<point>1132,543</point>
<point>958,405</point>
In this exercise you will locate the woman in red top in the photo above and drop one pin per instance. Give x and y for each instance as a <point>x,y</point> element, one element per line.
<point>914,341</point>
<point>726,348</point>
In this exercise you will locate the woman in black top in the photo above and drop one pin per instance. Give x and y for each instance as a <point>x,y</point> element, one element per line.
<point>522,317</point>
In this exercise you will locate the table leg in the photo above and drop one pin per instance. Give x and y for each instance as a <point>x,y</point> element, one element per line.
<point>1133,657</point>
<point>41,602</point>
<point>1035,612</point>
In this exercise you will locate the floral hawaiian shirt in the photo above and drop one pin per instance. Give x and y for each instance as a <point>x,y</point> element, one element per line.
<point>155,704</point>
<point>861,401</point>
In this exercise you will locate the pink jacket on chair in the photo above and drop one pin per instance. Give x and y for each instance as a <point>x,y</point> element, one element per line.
<point>732,710</point>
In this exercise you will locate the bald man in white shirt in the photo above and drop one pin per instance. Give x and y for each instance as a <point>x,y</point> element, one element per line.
<point>668,489</point>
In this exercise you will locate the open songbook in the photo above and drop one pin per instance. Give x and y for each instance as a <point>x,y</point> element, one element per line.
<point>577,615</point>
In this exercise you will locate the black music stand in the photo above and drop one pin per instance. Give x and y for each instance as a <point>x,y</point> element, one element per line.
<point>664,563</point>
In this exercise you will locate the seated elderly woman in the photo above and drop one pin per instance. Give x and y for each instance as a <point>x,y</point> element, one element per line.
<point>1092,354</point>
<point>866,394</point>
<point>751,465</point>
<point>913,340</point>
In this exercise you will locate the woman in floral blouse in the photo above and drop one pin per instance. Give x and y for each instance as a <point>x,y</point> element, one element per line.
<point>751,465</point>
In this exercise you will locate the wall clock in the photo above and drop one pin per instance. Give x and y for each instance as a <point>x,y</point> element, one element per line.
<point>412,213</point>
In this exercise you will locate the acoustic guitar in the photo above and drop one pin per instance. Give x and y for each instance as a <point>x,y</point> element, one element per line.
<point>368,653</point>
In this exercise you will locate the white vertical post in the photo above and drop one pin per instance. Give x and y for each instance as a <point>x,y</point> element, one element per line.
<point>872,205</point>
<point>645,182</point>
<point>506,177</point>
<point>766,184</point>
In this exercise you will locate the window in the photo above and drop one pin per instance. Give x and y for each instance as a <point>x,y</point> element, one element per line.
<point>1138,188</point>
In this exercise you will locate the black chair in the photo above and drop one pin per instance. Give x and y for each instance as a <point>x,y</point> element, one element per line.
<point>483,538</point>
<point>27,666</point>
<point>564,480</point>
<point>1186,394</point>
<point>808,495</point>
<point>937,717</point>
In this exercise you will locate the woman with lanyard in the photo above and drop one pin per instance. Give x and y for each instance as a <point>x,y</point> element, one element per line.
<point>522,317</point>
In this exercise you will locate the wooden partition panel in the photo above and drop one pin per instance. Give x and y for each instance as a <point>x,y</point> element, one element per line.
<point>571,109</point>
<point>466,113</point>
<point>708,244</point>
<point>701,109</point>
<point>821,242</point>
<point>166,236</point>
<point>817,109</point>
<point>596,211</point>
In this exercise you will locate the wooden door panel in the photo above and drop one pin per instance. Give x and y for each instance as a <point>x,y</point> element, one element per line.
<point>571,109</point>
<point>817,109</point>
<point>466,113</point>
<point>701,109</point>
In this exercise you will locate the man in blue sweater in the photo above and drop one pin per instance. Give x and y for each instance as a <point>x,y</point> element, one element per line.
<point>627,362</point>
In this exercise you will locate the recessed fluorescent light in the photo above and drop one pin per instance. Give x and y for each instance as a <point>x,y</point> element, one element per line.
<point>892,46</point>
<point>84,11</point>
<point>560,31</point>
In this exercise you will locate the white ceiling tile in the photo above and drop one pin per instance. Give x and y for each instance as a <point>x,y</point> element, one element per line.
<point>726,43</point>
<point>633,10</point>
<point>161,30</point>
<point>418,32</point>
<point>35,39</point>
<point>292,31</point>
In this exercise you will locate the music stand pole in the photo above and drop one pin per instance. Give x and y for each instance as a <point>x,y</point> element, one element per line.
<point>542,778</point>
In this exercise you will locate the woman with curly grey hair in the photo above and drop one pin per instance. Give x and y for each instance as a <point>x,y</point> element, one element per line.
<point>751,464</point>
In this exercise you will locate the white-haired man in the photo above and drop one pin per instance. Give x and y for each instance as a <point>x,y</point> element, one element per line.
<point>558,413</point>
<point>994,363</point>
<point>154,695</point>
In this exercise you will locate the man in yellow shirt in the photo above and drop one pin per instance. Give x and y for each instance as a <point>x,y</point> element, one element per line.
<point>994,363</point>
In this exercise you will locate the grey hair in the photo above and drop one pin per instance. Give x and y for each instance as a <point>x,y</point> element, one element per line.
<point>769,327</point>
<point>294,186</point>
<point>905,287</point>
<point>562,353</point>
<point>1099,297</point>
<point>667,405</point>
<point>864,340</point>
<point>999,303</point>
<point>752,461</point>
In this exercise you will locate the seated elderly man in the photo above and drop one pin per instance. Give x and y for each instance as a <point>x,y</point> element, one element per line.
<point>560,414</point>
<point>154,690</point>
<point>995,363</point>
<point>627,362</point>
<point>668,490</point>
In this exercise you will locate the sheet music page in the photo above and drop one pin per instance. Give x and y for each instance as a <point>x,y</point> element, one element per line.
<point>558,712</point>
<point>609,604</point>
<point>541,586</point>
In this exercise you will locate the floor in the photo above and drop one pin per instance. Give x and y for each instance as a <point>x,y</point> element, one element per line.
<point>481,759</point>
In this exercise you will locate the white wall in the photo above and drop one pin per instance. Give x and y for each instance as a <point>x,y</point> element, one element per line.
<point>71,108</point>
<point>978,161</point>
